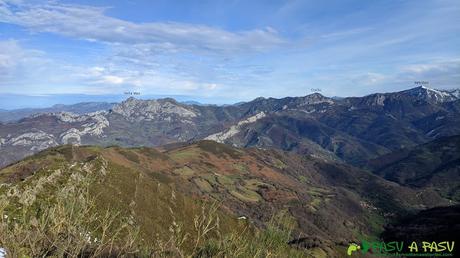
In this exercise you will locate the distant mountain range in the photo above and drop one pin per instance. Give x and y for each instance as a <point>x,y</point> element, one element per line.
<point>353,129</point>
<point>79,108</point>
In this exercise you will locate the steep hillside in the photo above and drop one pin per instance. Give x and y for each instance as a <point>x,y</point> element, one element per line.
<point>301,133</point>
<point>328,204</point>
<point>434,165</point>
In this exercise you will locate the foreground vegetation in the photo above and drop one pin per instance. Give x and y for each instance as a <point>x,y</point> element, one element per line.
<point>70,225</point>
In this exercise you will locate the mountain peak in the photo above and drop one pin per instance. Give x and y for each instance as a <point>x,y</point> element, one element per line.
<point>431,95</point>
<point>422,89</point>
<point>316,95</point>
<point>139,109</point>
<point>258,99</point>
<point>316,98</point>
<point>131,99</point>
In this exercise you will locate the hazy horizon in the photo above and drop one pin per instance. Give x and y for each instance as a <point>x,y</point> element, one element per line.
<point>16,101</point>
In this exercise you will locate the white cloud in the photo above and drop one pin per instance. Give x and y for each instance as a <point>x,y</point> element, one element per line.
<point>12,54</point>
<point>436,67</point>
<point>210,86</point>
<point>9,54</point>
<point>112,79</point>
<point>15,60</point>
<point>372,78</point>
<point>443,73</point>
<point>91,23</point>
<point>96,70</point>
<point>345,33</point>
<point>156,57</point>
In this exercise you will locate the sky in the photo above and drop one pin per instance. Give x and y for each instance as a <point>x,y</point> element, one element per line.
<point>224,51</point>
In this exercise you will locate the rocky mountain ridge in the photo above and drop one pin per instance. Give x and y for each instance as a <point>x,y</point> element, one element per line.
<point>148,110</point>
<point>351,129</point>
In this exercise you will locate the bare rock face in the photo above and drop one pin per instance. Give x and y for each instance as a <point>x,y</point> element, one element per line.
<point>41,131</point>
<point>138,110</point>
<point>69,117</point>
<point>36,139</point>
<point>94,125</point>
<point>71,136</point>
<point>234,129</point>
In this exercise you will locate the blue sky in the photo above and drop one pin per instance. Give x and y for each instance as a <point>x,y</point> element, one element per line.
<point>226,51</point>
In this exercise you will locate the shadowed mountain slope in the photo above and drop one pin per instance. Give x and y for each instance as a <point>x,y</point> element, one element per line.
<point>433,165</point>
<point>431,225</point>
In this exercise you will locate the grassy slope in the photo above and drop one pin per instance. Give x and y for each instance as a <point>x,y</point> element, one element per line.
<point>162,193</point>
